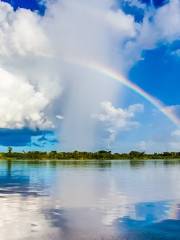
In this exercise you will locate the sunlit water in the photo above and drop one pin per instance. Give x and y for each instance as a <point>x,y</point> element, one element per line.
<point>104,200</point>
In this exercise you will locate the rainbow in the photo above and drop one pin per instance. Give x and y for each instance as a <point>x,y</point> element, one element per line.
<point>113,74</point>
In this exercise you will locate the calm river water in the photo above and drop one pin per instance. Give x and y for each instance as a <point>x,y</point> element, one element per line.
<point>110,200</point>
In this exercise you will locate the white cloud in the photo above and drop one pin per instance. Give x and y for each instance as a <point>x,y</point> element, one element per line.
<point>26,81</point>
<point>170,141</point>
<point>135,3</point>
<point>118,119</point>
<point>21,32</point>
<point>89,31</point>
<point>34,47</point>
<point>20,105</point>
<point>59,117</point>
<point>167,20</point>
<point>159,25</point>
<point>176,133</point>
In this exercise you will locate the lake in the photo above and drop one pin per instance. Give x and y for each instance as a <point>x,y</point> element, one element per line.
<point>104,200</point>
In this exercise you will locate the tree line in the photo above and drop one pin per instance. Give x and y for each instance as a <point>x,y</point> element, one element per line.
<point>80,155</point>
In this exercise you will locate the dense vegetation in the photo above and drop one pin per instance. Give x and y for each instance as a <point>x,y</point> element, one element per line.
<point>87,155</point>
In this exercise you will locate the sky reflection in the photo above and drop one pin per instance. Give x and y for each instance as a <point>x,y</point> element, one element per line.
<point>121,201</point>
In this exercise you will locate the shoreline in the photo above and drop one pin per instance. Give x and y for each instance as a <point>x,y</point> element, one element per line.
<point>88,156</point>
<point>90,160</point>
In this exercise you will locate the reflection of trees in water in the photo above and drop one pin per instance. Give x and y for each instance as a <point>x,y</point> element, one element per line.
<point>171,162</point>
<point>68,163</point>
<point>74,163</point>
<point>136,163</point>
<point>101,163</point>
<point>9,167</point>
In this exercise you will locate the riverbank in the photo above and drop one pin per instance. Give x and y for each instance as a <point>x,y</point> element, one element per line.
<point>100,155</point>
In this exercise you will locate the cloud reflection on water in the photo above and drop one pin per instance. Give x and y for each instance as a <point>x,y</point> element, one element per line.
<point>45,201</point>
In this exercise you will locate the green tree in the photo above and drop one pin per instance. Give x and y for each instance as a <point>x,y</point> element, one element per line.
<point>10,149</point>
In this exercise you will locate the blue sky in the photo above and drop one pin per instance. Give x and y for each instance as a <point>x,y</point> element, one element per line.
<point>155,68</point>
<point>33,5</point>
<point>159,73</point>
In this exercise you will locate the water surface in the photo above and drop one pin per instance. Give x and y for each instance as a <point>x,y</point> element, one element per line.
<point>106,200</point>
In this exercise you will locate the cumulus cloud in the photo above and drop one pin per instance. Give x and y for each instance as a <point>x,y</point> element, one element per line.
<point>159,26</point>
<point>27,86</point>
<point>95,39</point>
<point>20,32</point>
<point>167,20</point>
<point>20,104</point>
<point>118,119</point>
<point>34,51</point>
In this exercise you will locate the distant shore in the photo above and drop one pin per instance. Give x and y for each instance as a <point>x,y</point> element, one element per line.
<point>78,155</point>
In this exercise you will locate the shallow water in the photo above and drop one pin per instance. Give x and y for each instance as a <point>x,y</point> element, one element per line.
<point>89,200</point>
